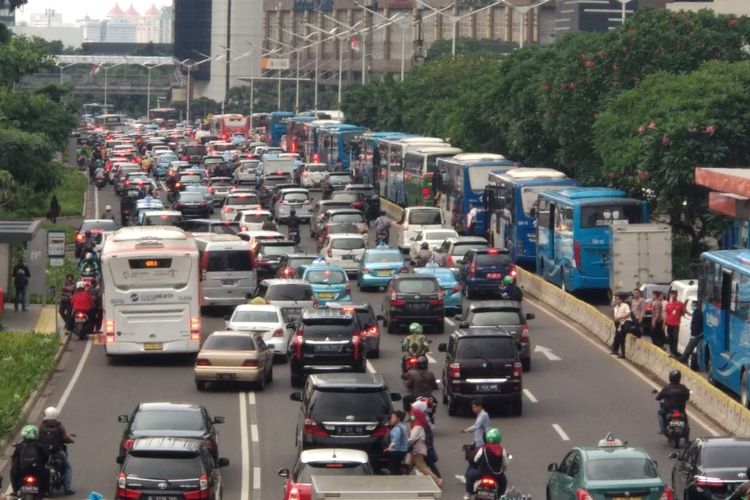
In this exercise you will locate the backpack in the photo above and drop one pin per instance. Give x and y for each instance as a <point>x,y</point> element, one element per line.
<point>416,347</point>
<point>51,436</point>
<point>29,457</point>
<point>20,276</point>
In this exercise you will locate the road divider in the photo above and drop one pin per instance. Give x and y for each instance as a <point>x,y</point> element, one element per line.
<point>391,209</point>
<point>725,411</point>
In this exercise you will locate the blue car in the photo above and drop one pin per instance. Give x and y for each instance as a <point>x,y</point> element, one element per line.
<point>161,164</point>
<point>448,283</point>
<point>329,283</point>
<point>377,265</point>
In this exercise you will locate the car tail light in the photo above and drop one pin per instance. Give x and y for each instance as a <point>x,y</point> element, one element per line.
<point>227,209</point>
<point>202,362</point>
<point>380,431</point>
<point>708,482</point>
<point>279,332</point>
<point>372,331</point>
<point>122,491</point>
<point>366,270</point>
<point>454,370</point>
<point>404,270</point>
<point>582,494</point>
<point>487,482</point>
<point>525,334</point>
<point>449,261</point>
<point>312,428</point>
<point>263,262</point>
<point>512,271</point>
<point>200,494</point>
<point>577,253</point>
<point>251,363</point>
<point>80,237</point>
<point>316,302</point>
<point>298,344</point>
<point>294,494</point>
<point>348,288</point>
<point>517,369</point>
<point>667,494</point>
<point>398,302</point>
<point>436,302</point>
<point>29,480</point>
<point>330,252</point>
<point>357,204</point>
<point>473,269</point>
<point>178,206</point>
<point>356,341</point>
<point>456,288</point>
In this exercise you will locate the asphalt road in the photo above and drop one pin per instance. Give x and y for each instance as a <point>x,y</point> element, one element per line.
<point>574,395</point>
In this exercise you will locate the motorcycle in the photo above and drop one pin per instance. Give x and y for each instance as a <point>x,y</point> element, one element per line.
<point>490,487</point>
<point>101,182</point>
<point>54,471</point>
<point>427,397</point>
<point>409,363</point>
<point>677,427</point>
<point>294,235</point>
<point>81,325</point>
<point>30,489</point>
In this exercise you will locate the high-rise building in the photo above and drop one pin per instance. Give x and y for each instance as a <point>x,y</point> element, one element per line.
<point>166,24</point>
<point>47,18</point>
<point>597,15</point>
<point>7,15</point>
<point>192,34</point>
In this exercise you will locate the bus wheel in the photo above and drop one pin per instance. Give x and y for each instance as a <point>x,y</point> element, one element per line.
<point>744,396</point>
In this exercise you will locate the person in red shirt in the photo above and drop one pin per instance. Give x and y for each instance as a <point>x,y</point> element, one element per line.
<point>673,311</point>
<point>81,301</point>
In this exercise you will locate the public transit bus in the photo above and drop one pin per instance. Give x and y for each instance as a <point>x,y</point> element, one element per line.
<point>460,183</point>
<point>259,122</point>
<point>151,298</point>
<point>392,154</point>
<point>94,108</point>
<point>337,145</point>
<point>420,164</point>
<point>164,117</point>
<point>110,121</point>
<point>366,169</point>
<point>572,234</point>
<point>277,127</point>
<point>724,292</point>
<point>225,126</point>
<point>310,132</point>
<point>295,134</point>
<point>510,201</point>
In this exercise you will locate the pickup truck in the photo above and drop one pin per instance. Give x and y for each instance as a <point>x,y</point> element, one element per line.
<point>374,488</point>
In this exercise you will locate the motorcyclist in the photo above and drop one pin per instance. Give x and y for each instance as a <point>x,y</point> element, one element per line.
<point>89,265</point>
<point>673,396</point>
<point>414,345</point>
<point>424,255</point>
<point>87,245</point>
<point>419,381</point>
<point>509,290</point>
<point>99,172</point>
<point>108,213</point>
<point>489,460</point>
<point>383,227</point>
<point>53,435</point>
<point>81,301</point>
<point>293,224</point>
<point>439,258</point>
<point>29,458</point>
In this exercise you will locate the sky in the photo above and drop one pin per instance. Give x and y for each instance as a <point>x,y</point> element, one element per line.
<point>72,10</point>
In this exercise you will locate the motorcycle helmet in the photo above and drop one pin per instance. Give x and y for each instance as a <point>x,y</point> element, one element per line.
<point>81,285</point>
<point>30,432</point>
<point>675,376</point>
<point>87,233</point>
<point>493,436</point>
<point>425,245</point>
<point>51,413</point>
<point>292,212</point>
<point>508,280</point>
<point>422,362</point>
<point>415,328</point>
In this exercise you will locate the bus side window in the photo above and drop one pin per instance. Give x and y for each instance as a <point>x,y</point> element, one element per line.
<point>743,295</point>
<point>543,214</point>
<point>564,219</point>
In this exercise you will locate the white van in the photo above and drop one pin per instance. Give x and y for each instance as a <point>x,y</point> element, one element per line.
<point>416,219</point>
<point>344,250</point>
<point>226,269</point>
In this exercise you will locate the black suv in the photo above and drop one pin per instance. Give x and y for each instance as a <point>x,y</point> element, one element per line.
<point>411,297</point>
<point>270,182</point>
<point>209,226</point>
<point>483,270</point>
<point>368,320</point>
<point>169,467</point>
<point>481,363</point>
<point>348,410</point>
<point>326,340</point>
<point>506,314</point>
<point>711,468</point>
<point>268,255</point>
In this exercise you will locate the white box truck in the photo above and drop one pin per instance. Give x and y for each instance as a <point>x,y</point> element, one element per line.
<point>374,488</point>
<point>639,254</point>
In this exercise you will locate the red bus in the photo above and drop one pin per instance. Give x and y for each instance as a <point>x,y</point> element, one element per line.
<point>225,126</point>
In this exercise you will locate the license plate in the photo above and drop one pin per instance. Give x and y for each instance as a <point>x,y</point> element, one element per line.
<point>161,497</point>
<point>326,295</point>
<point>486,387</point>
<point>153,346</point>
<point>30,489</point>
<point>328,348</point>
<point>383,273</point>
<point>229,282</point>
<point>80,320</point>
<point>347,256</point>
<point>225,376</point>
<point>351,430</point>
<point>494,275</point>
<point>677,423</point>
<point>627,498</point>
<point>417,307</point>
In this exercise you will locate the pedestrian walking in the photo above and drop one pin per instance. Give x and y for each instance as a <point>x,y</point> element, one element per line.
<point>673,311</point>
<point>98,311</point>
<point>54,210</point>
<point>657,320</point>
<point>417,440</point>
<point>696,331</point>
<point>622,316</point>
<point>398,439</point>
<point>481,424</point>
<point>637,310</point>
<point>21,277</point>
<point>66,292</point>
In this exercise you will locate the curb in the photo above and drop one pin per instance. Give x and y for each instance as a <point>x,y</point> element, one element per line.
<point>391,209</point>
<point>47,321</point>
<point>85,200</point>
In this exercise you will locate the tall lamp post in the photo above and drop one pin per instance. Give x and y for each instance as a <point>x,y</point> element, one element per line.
<point>252,79</point>
<point>349,31</point>
<point>320,32</point>
<point>623,3</point>
<point>106,70</point>
<point>524,9</point>
<point>149,67</point>
<point>299,49</point>
<point>278,90</point>
<point>190,67</point>
<point>457,19</point>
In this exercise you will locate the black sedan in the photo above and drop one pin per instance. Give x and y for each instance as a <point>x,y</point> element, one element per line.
<point>711,468</point>
<point>193,205</point>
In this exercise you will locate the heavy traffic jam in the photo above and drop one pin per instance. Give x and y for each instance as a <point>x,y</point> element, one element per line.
<point>376,275</point>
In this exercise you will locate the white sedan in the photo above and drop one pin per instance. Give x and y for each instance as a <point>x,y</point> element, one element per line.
<point>263,319</point>
<point>433,237</point>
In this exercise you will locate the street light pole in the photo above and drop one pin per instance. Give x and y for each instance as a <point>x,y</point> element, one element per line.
<point>623,3</point>
<point>341,69</point>
<point>106,70</point>
<point>524,10</point>
<point>189,67</point>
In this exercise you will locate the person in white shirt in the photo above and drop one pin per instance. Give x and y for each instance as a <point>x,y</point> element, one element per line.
<point>622,317</point>
<point>470,218</point>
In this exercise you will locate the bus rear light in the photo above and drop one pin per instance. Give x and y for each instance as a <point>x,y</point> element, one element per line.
<point>577,253</point>
<point>195,325</point>
<point>109,327</point>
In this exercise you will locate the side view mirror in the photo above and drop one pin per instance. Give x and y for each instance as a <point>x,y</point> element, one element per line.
<point>552,467</point>
<point>463,324</point>
<point>296,396</point>
<point>219,420</point>
<point>395,396</point>
<point>123,419</point>
<point>283,472</point>
<point>674,455</point>
<point>222,462</point>
<point>248,296</point>
<point>443,347</point>
<point>530,315</point>
<point>227,317</point>
<point>120,459</point>
<point>379,317</point>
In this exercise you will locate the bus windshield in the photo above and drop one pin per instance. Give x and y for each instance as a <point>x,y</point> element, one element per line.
<point>610,214</point>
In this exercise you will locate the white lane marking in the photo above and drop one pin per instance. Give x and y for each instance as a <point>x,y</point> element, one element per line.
<point>596,343</point>
<point>450,322</point>
<point>245,491</point>
<point>370,368</point>
<point>561,432</point>
<point>251,398</point>
<point>547,352</point>
<point>96,202</point>
<point>461,479</point>
<point>530,396</point>
<point>254,433</point>
<point>256,478</point>
<point>76,375</point>
<point>430,358</point>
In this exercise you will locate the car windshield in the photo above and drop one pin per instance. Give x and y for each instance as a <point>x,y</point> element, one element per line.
<point>339,406</point>
<point>495,318</point>
<point>348,243</point>
<point>317,168</point>
<point>162,220</point>
<point>192,196</point>
<point>176,420</point>
<point>416,286</point>
<point>621,469</point>
<point>300,261</point>
<point>290,292</point>
<point>439,235</point>
<point>335,469</point>
<point>487,347</point>
<point>276,250</point>
<point>384,257</point>
<point>498,259</point>
<point>350,218</point>
<point>349,197</point>
<point>257,217</point>
<point>228,260</point>
<point>225,228</point>
<point>461,249</point>
<point>338,178</point>
<point>245,316</point>
<point>334,329</point>
<point>716,457</point>
<point>296,197</point>
<point>425,217</point>
<point>327,276</point>
<point>171,466</point>
<point>229,343</point>
<point>244,199</point>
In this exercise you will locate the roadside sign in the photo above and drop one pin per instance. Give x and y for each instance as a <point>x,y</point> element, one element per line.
<point>274,63</point>
<point>56,247</point>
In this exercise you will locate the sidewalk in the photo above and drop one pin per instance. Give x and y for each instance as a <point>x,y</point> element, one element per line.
<point>36,319</point>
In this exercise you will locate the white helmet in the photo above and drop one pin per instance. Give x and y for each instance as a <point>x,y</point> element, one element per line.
<point>51,413</point>
<point>108,208</point>
<point>80,284</point>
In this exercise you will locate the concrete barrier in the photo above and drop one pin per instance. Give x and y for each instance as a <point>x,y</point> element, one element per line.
<point>393,210</point>
<point>725,411</point>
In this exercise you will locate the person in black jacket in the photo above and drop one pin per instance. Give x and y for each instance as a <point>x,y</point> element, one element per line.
<point>29,457</point>
<point>673,396</point>
<point>21,277</point>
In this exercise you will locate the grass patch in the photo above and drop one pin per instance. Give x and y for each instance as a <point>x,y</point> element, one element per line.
<point>25,360</point>
<point>70,192</point>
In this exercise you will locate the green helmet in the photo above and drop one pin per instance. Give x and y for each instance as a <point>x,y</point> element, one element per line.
<point>415,328</point>
<point>508,280</point>
<point>493,436</point>
<point>30,432</point>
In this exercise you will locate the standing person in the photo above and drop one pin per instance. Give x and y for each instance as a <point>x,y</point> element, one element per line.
<point>657,320</point>
<point>481,424</point>
<point>637,308</point>
<point>471,218</point>
<point>418,442</point>
<point>398,438</point>
<point>54,209</point>
<point>431,458</point>
<point>66,292</point>
<point>97,311</point>
<point>621,316</point>
<point>696,332</point>
<point>673,311</point>
<point>21,277</point>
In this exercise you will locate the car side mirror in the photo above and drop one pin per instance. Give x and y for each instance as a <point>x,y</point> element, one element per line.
<point>463,324</point>
<point>248,296</point>
<point>530,315</point>
<point>296,396</point>
<point>227,317</point>
<point>123,419</point>
<point>283,472</point>
<point>120,459</point>
<point>219,420</point>
<point>395,396</point>
<point>379,317</point>
<point>222,462</point>
<point>552,467</point>
<point>674,455</point>
<point>443,347</point>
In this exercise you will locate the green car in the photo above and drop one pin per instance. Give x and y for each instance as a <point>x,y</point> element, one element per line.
<point>612,470</point>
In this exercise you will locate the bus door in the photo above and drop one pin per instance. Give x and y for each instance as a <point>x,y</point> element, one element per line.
<point>730,289</point>
<point>545,237</point>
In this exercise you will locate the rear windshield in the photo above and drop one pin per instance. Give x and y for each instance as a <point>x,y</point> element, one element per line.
<point>498,259</point>
<point>366,191</point>
<point>348,243</point>
<point>243,316</point>
<point>175,420</point>
<point>98,226</point>
<point>259,217</point>
<point>327,276</point>
<point>490,348</point>
<point>725,457</point>
<point>332,330</point>
<point>384,257</point>
<point>300,261</point>
<point>417,286</point>
<point>425,217</point>
<point>349,218</point>
<point>230,343</point>
<point>226,228</point>
<point>221,183</point>
<point>192,196</point>
<point>290,292</point>
<point>244,199</point>
<point>296,197</point>
<point>338,177</point>
<point>370,406</point>
<point>277,250</point>
<point>195,150</point>
<point>462,248</point>
<point>162,220</point>
<point>317,168</point>
<point>228,260</point>
<point>609,215</point>
<point>439,235</point>
<point>622,469</point>
<point>336,469</point>
<point>496,318</point>
<point>173,466</point>
<point>347,196</point>
<point>190,179</point>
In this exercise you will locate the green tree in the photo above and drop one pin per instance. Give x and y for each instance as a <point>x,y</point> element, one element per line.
<point>21,56</point>
<point>37,113</point>
<point>469,46</point>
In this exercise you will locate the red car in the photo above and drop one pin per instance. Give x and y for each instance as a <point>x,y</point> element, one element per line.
<point>322,462</point>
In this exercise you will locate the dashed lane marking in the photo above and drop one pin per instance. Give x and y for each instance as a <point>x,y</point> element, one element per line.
<point>530,396</point>
<point>560,432</point>
<point>245,449</point>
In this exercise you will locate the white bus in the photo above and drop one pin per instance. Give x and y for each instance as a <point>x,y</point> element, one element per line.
<point>151,280</point>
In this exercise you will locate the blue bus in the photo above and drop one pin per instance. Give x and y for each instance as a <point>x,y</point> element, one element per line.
<point>277,127</point>
<point>337,144</point>
<point>310,133</point>
<point>460,183</point>
<point>572,234</point>
<point>366,169</point>
<point>510,201</point>
<point>295,133</point>
<point>724,294</point>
